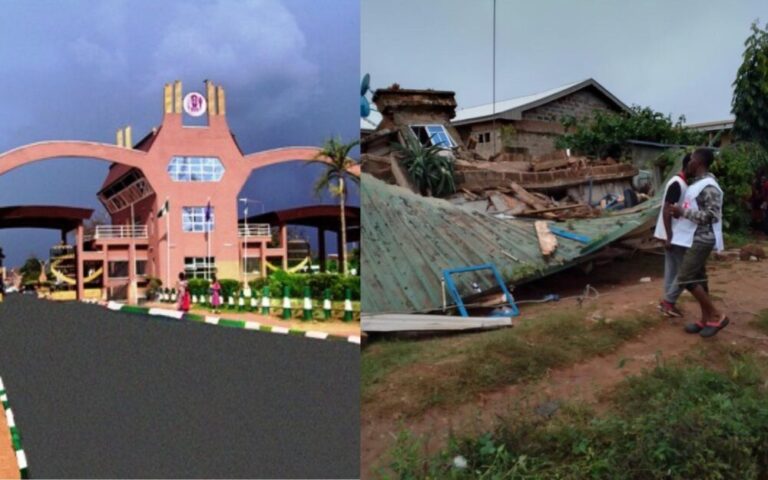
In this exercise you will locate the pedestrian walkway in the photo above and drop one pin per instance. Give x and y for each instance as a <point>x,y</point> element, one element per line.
<point>333,327</point>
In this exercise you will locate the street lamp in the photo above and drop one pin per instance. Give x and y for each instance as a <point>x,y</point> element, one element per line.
<point>246,201</point>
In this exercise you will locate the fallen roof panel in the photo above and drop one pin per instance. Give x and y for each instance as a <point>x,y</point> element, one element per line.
<point>408,240</point>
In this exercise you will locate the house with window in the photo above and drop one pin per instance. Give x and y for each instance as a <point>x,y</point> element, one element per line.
<point>529,125</point>
<point>424,115</point>
<point>719,133</point>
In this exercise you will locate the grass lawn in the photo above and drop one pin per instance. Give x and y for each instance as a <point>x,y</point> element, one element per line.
<point>704,417</point>
<point>409,376</point>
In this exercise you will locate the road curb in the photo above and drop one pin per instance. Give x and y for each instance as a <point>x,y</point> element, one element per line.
<point>21,457</point>
<point>223,322</point>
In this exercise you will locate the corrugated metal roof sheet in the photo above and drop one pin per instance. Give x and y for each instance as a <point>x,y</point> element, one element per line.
<point>504,105</point>
<point>409,239</point>
<point>514,107</point>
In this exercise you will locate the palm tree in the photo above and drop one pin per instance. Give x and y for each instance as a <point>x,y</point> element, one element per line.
<point>334,156</point>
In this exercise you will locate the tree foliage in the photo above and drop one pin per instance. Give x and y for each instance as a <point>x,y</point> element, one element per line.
<point>334,156</point>
<point>431,171</point>
<point>750,94</point>
<point>606,133</point>
<point>735,168</point>
<point>30,271</point>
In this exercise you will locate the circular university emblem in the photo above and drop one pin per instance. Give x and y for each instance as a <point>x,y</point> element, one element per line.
<point>194,104</point>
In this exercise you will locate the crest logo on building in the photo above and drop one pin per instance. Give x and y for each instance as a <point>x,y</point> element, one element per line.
<point>194,104</point>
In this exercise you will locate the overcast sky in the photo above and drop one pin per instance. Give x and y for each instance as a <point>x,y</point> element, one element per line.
<point>78,70</point>
<point>678,57</point>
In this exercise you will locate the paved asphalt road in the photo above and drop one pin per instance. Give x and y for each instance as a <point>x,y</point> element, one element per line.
<point>97,393</point>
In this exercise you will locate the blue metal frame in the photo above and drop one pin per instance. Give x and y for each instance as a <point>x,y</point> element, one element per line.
<point>451,286</point>
<point>570,235</point>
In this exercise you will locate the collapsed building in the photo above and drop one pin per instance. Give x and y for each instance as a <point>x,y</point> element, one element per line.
<point>527,210</point>
<point>522,179</point>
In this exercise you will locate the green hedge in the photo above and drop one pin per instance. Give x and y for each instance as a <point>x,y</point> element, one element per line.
<point>317,283</point>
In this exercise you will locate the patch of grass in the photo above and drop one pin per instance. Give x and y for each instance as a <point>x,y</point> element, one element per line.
<point>673,422</point>
<point>381,358</point>
<point>737,239</point>
<point>761,321</point>
<point>488,361</point>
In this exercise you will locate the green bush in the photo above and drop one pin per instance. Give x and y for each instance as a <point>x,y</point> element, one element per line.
<point>317,283</point>
<point>736,167</point>
<point>229,288</point>
<point>606,133</point>
<point>198,286</point>
<point>154,287</point>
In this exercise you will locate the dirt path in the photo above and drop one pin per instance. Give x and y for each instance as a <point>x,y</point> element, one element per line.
<point>737,284</point>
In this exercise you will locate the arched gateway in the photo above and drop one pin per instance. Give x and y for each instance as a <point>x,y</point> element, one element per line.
<point>164,191</point>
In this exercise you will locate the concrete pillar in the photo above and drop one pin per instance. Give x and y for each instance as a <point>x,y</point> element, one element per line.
<point>133,288</point>
<point>321,247</point>
<point>80,263</point>
<point>284,244</point>
<point>105,275</point>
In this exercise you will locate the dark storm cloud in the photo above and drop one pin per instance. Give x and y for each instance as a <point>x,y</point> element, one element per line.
<point>81,70</point>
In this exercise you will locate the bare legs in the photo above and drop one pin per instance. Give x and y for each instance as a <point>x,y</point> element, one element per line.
<point>709,313</point>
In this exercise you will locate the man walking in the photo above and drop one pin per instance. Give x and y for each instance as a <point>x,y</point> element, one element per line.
<point>673,254</point>
<point>700,229</point>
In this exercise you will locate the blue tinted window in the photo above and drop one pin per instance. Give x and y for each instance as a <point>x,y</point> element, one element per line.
<point>195,169</point>
<point>193,219</point>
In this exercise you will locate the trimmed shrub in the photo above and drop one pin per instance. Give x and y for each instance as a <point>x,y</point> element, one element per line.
<point>317,284</point>
<point>199,286</point>
<point>229,288</point>
<point>154,287</point>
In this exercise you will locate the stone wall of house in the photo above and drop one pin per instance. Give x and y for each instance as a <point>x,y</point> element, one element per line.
<point>536,133</point>
<point>580,104</point>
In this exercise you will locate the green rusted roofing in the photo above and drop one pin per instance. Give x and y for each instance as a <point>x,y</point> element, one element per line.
<point>409,239</point>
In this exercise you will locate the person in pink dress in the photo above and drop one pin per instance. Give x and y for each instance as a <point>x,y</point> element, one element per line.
<point>215,294</point>
<point>184,298</point>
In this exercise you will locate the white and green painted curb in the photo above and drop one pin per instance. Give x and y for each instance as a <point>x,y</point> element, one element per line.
<point>21,457</point>
<point>213,320</point>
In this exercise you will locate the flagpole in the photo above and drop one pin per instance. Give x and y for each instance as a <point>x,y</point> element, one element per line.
<point>167,244</point>
<point>208,236</point>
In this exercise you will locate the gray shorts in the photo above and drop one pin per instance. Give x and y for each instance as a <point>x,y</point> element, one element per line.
<point>693,269</point>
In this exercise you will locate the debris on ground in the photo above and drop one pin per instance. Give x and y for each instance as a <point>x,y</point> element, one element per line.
<point>747,252</point>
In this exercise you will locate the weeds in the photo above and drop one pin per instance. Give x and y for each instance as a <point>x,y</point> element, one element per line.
<point>761,321</point>
<point>672,422</point>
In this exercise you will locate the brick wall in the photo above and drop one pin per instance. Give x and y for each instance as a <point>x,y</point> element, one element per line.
<point>580,104</point>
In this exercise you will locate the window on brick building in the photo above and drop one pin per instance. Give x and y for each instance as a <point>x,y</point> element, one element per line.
<point>195,169</point>
<point>193,219</point>
<point>435,135</point>
<point>199,267</point>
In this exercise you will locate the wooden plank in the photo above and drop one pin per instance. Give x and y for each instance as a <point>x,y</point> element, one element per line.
<point>498,201</point>
<point>526,197</point>
<point>397,322</point>
<point>554,209</point>
<point>547,240</point>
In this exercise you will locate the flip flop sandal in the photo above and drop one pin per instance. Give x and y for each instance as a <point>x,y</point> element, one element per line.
<point>711,328</point>
<point>694,327</point>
